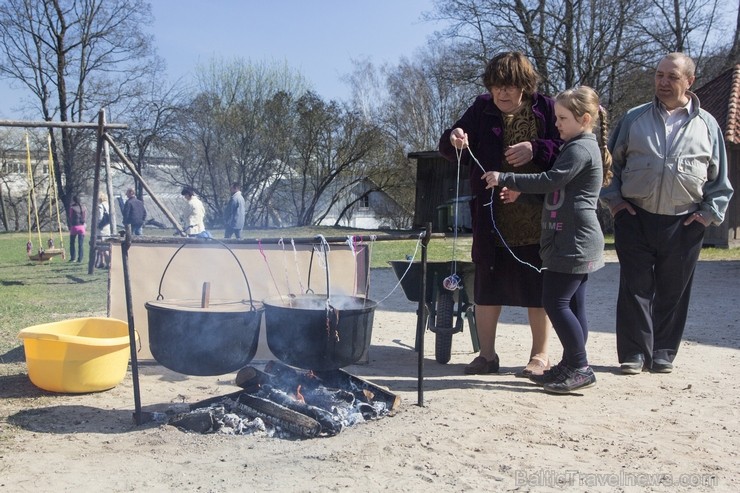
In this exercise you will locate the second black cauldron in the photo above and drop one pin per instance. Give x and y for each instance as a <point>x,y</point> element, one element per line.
<point>317,332</point>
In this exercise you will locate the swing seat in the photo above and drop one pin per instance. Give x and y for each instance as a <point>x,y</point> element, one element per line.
<point>46,255</point>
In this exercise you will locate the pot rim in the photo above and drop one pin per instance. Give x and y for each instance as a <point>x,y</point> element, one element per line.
<point>215,306</point>
<point>282,301</point>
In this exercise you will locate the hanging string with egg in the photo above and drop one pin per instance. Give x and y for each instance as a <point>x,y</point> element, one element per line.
<point>490,207</point>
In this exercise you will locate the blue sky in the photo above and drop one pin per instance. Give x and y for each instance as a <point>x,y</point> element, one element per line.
<point>319,38</point>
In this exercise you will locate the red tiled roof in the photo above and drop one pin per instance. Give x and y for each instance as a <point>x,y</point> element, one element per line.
<point>721,98</point>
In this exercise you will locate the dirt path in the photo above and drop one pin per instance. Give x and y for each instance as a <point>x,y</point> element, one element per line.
<point>649,432</point>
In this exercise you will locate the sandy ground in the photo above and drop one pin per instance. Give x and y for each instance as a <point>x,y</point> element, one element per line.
<point>648,432</point>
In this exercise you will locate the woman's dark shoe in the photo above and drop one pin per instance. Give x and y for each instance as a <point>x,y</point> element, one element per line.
<point>481,366</point>
<point>537,366</point>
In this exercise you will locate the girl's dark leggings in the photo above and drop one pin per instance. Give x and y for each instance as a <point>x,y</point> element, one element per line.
<point>564,299</point>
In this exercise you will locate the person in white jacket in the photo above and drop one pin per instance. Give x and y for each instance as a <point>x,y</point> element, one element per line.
<point>194,213</point>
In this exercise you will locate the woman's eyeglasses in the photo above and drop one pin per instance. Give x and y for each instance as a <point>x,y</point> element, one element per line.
<point>506,89</point>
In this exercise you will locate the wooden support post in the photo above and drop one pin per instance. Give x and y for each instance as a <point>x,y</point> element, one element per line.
<point>136,174</point>
<point>139,417</point>
<point>421,320</point>
<point>96,190</point>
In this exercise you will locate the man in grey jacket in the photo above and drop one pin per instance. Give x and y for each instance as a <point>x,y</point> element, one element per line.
<point>235,211</point>
<point>670,183</point>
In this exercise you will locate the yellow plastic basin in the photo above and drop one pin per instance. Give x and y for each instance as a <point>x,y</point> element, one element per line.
<point>78,355</point>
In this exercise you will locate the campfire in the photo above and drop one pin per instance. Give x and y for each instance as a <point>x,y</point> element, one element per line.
<point>289,402</point>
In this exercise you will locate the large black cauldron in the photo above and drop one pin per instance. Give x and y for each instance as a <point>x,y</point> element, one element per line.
<point>192,340</point>
<point>198,338</point>
<point>313,332</point>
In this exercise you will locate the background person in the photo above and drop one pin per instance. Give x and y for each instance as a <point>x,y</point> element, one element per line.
<point>510,128</point>
<point>76,218</point>
<point>134,213</point>
<point>235,211</point>
<point>194,213</point>
<point>102,253</point>
<point>572,244</point>
<point>670,183</point>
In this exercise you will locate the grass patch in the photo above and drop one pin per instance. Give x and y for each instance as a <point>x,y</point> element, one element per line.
<point>40,292</point>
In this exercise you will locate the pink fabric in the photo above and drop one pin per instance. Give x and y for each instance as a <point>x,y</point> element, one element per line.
<point>77,230</point>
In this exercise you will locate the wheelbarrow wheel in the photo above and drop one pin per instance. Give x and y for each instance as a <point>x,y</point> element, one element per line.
<point>444,319</point>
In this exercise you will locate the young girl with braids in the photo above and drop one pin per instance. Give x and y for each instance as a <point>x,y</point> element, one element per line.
<point>571,244</point>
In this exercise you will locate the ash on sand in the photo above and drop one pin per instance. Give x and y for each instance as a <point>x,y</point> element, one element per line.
<point>220,418</point>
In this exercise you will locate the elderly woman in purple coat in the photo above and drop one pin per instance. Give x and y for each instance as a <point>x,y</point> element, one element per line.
<point>509,128</point>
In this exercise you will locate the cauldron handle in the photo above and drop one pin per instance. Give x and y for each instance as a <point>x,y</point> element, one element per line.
<point>249,289</point>
<point>310,269</point>
<point>326,262</point>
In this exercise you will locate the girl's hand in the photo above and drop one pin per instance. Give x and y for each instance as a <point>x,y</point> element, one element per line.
<point>508,196</point>
<point>458,138</point>
<point>491,179</point>
<point>519,154</point>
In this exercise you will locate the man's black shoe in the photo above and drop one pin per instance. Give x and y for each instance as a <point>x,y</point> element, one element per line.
<point>662,366</point>
<point>633,364</point>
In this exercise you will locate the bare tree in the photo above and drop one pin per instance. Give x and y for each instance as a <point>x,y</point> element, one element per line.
<point>153,116</point>
<point>73,57</point>
<point>412,102</point>
<point>330,156</point>
<point>733,55</point>
<point>607,45</point>
<point>422,99</point>
<point>232,130</point>
<point>680,25</point>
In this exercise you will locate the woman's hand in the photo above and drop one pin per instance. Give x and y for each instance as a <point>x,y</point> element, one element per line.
<point>458,138</point>
<point>519,154</point>
<point>508,195</point>
<point>491,178</point>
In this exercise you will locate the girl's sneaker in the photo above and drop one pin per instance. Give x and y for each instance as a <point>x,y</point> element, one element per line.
<point>571,379</point>
<point>549,376</point>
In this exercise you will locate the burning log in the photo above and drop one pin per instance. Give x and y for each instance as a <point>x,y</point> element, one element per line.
<point>277,415</point>
<point>250,379</point>
<point>214,400</point>
<point>290,377</point>
<point>300,402</point>
<point>198,422</point>
<point>330,424</point>
<point>338,379</point>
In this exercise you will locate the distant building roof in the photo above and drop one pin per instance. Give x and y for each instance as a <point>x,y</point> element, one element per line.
<point>721,98</point>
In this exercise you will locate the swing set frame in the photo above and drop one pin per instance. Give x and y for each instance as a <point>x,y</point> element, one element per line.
<point>46,254</point>
<point>104,140</point>
<point>42,254</point>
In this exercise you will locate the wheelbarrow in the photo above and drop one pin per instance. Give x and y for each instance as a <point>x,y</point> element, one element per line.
<point>445,311</point>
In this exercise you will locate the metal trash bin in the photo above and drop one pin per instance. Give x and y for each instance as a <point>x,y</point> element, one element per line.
<point>464,219</point>
<point>443,219</point>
